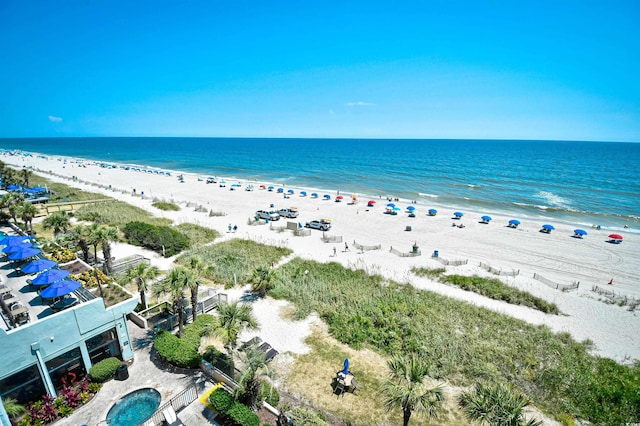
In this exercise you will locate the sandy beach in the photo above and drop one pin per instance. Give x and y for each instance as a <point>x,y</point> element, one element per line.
<point>558,256</point>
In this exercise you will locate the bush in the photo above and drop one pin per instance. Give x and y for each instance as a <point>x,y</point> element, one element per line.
<point>156,237</point>
<point>163,205</point>
<point>269,394</point>
<point>219,360</point>
<point>242,415</point>
<point>104,370</point>
<point>183,352</point>
<point>221,400</point>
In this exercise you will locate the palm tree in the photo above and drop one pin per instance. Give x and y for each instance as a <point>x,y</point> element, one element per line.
<point>58,221</point>
<point>197,265</point>
<point>26,174</point>
<point>254,370</point>
<point>407,388</point>
<point>27,212</point>
<point>105,236</point>
<point>262,279</point>
<point>233,317</point>
<point>93,238</point>
<point>495,405</point>
<point>176,283</point>
<point>142,274</point>
<point>81,236</point>
<point>11,201</point>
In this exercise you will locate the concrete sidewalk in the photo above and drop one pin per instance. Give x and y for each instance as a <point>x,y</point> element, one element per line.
<point>147,371</point>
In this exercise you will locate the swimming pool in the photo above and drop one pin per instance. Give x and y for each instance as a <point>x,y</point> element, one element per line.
<point>134,408</point>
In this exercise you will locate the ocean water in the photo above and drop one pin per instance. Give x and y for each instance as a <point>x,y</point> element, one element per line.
<point>579,182</point>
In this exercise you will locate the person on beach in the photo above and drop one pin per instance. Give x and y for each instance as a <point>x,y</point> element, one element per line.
<point>335,253</point>
<point>229,227</point>
<point>346,246</point>
<point>235,228</point>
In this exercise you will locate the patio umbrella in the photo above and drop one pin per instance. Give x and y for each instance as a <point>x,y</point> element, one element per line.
<point>15,247</point>
<point>38,265</point>
<point>59,288</point>
<point>458,214</point>
<point>345,371</point>
<point>13,187</point>
<point>615,236</point>
<point>291,191</point>
<point>580,232</point>
<point>486,218</point>
<point>548,227</point>
<point>411,208</point>
<point>8,240</point>
<point>50,276</point>
<point>24,253</point>
<point>326,196</point>
<point>514,222</point>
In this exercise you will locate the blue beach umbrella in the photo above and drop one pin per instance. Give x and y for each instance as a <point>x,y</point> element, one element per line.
<point>291,191</point>
<point>280,190</point>
<point>16,247</point>
<point>391,205</point>
<point>396,209</point>
<point>50,276</point>
<point>303,193</point>
<point>24,253</point>
<point>314,195</point>
<point>548,227</point>
<point>433,212</point>
<point>8,240</point>
<point>13,187</point>
<point>38,265</point>
<point>345,371</point>
<point>486,218</point>
<point>411,208</point>
<point>514,222</point>
<point>326,196</point>
<point>270,188</point>
<point>59,288</point>
<point>458,214</point>
<point>580,232</point>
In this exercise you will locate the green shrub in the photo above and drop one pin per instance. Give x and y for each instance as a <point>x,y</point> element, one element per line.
<point>428,272</point>
<point>162,205</point>
<point>219,360</point>
<point>156,237</point>
<point>104,370</point>
<point>269,394</point>
<point>198,235</point>
<point>242,415</point>
<point>306,417</point>
<point>183,352</point>
<point>221,400</point>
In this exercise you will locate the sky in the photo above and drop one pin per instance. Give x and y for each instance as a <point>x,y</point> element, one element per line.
<point>543,69</point>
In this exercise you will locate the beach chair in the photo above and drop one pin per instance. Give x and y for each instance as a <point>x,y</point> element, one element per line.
<point>171,417</point>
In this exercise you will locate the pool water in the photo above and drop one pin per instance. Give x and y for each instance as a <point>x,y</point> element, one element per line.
<point>134,408</point>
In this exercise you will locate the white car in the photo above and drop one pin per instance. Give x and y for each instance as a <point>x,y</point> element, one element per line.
<point>263,214</point>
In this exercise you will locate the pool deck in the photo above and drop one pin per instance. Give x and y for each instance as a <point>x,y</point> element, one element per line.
<point>145,372</point>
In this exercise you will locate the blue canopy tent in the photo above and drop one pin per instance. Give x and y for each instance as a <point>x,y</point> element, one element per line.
<point>513,223</point>
<point>38,265</point>
<point>579,233</point>
<point>50,276</point>
<point>24,253</point>
<point>546,228</point>
<point>59,288</point>
<point>458,215</point>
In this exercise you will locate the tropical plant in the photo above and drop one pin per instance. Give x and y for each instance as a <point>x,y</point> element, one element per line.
<point>175,284</point>
<point>105,236</point>
<point>58,221</point>
<point>93,238</point>
<point>199,269</point>
<point>142,274</point>
<point>11,201</point>
<point>27,212</point>
<point>263,278</point>
<point>26,175</point>
<point>233,317</point>
<point>408,389</point>
<point>495,404</point>
<point>81,236</point>
<point>12,408</point>
<point>253,372</point>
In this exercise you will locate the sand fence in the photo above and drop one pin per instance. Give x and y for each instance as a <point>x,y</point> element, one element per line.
<point>618,299</point>
<point>556,285</point>
<point>495,271</point>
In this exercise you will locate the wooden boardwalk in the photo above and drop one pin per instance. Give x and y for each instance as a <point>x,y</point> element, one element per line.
<point>47,209</point>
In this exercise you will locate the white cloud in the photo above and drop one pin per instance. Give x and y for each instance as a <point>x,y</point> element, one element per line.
<point>54,119</point>
<point>359,103</point>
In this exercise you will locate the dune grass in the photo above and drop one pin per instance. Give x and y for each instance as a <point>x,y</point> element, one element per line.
<point>163,205</point>
<point>237,258</point>
<point>467,344</point>
<point>198,235</point>
<point>117,213</point>
<point>62,192</point>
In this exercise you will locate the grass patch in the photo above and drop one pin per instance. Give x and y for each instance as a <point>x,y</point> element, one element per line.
<point>235,257</point>
<point>496,289</point>
<point>198,235</point>
<point>467,344</point>
<point>117,213</point>
<point>163,205</point>
<point>428,272</point>
<point>62,192</point>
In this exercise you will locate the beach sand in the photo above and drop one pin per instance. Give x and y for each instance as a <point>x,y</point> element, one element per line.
<point>557,256</point>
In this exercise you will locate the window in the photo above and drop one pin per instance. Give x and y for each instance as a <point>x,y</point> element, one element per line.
<point>24,386</point>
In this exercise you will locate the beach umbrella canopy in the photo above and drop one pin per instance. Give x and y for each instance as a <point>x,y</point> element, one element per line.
<point>345,371</point>
<point>486,218</point>
<point>615,236</point>
<point>371,202</point>
<point>411,208</point>
<point>8,240</point>
<point>303,193</point>
<point>50,276</point>
<point>514,222</point>
<point>580,232</point>
<point>458,214</point>
<point>13,187</point>
<point>314,194</point>
<point>280,189</point>
<point>262,187</point>
<point>548,227</point>
<point>38,265</point>
<point>339,197</point>
<point>391,205</point>
<point>396,209</point>
<point>291,191</point>
<point>433,211</point>
<point>24,253</point>
<point>15,247</point>
<point>237,185</point>
<point>326,196</point>
<point>59,288</point>
<point>270,188</point>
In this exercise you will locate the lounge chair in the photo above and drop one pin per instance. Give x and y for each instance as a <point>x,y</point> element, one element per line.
<point>171,417</point>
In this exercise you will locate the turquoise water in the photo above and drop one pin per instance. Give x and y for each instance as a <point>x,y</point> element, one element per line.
<point>581,182</point>
<point>134,408</point>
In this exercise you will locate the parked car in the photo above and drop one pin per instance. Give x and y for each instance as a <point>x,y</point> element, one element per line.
<point>290,212</point>
<point>320,224</point>
<point>263,214</point>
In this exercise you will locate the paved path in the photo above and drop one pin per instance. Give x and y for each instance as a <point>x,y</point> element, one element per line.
<point>146,372</point>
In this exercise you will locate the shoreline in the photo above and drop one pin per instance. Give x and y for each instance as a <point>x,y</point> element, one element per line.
<point>556,256</point>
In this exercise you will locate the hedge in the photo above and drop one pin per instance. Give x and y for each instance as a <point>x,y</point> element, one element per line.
<point>242,415</point>
<point>155,237</point>
<point>183,352</point>
<point>104,370</point>
<point>221,400</point>
<point>236,412</point>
